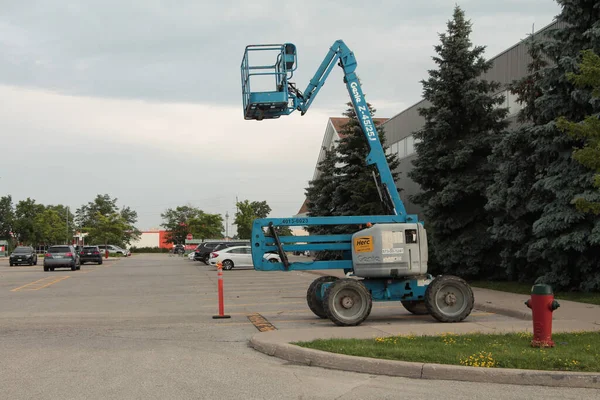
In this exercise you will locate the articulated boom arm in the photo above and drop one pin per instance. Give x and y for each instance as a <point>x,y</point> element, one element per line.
<point>264,236</point>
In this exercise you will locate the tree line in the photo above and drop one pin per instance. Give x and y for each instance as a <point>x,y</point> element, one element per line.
<point>501,201</point>
<point>101,220</point>
<point>187,219</point>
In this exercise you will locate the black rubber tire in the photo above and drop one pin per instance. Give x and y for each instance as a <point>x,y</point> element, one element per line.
<point>273,260</point>
<point>30,263</point>
<point>416,307</point>
<point>205,259</point>
<point>73,267</point>
<point>35,263</point>
<point>51,268</point>
<point>316,305</point>
<point>332,302</point>
<point>451,285</point>
<point>100,262</point>
<point>227,265</point>
<point>46,269</point>
<point>11,264</point>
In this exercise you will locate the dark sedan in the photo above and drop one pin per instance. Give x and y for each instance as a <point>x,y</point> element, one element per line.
<point>90,254</point>
<point>23,255</point>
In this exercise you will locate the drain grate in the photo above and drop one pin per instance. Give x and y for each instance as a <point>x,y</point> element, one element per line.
<point>261,323</point>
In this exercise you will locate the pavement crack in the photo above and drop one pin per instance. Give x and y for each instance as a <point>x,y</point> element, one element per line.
<point>366,380</point>
<point>297,377</point>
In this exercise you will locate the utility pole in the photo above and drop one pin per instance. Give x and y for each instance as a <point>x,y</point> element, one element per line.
<point>67,225</point>
<point>226,225</point>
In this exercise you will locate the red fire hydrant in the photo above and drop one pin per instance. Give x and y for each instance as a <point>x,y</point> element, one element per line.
<point>542,305</point>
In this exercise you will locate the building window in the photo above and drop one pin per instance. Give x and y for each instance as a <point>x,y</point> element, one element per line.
<point>513,105</point>
<point>402,148</point>
<point>410,148</point>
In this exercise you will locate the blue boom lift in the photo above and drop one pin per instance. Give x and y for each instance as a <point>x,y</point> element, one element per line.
<point>387,260</point>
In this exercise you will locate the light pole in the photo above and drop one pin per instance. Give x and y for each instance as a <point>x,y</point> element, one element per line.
<point>226,225</point>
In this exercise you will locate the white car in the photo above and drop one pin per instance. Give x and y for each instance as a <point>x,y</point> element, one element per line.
<point>238,256</point>
<point>113,249</point>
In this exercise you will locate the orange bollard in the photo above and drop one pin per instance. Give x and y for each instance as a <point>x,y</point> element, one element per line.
<point>220,286</point>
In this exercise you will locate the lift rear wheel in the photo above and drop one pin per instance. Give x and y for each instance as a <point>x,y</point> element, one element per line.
<point>416,307</point>
<point>347,302</point>
<point>315,303</point>
<point>449,298</point>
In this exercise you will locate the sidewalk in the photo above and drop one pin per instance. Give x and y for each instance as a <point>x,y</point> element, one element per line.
<point>570,316</point>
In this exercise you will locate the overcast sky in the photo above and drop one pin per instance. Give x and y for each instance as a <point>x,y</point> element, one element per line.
<point>141,99</point>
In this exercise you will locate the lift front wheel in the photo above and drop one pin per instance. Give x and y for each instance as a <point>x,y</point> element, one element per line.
<point>347,302</point>
<point>449,298</point>
<point>313,295</point>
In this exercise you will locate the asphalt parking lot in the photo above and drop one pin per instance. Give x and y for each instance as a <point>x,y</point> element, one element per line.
<point>142,328</point>
<point>251,297</point>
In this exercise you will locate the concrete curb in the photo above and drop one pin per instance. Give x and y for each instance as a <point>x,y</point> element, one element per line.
<point>366,365</point>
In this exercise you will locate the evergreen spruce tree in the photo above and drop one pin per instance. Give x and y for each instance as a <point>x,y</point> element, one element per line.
<point>319,193</point>
<point>589,129</point>
<point>566,240</point>
<point>462,123</point>
<point>346,185</point>
<point>356,192</point>
<point>511,199</point>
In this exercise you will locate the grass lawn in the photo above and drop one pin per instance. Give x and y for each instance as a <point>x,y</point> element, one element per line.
<point>576,351</point>
<point>523,288</point>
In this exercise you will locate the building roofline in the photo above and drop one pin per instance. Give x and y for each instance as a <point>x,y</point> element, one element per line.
<point>544,28</point>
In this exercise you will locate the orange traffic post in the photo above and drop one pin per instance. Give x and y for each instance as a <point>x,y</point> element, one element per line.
<point>220,286</point>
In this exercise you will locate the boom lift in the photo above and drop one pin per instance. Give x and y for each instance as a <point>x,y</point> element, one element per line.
<point>387,260</point>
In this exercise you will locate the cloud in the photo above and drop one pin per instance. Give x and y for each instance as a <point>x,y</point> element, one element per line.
<point>142,99</point>
<point>166,151</point>
<point>190,51</point>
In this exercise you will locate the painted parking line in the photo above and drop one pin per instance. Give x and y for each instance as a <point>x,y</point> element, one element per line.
<point>41,283</point>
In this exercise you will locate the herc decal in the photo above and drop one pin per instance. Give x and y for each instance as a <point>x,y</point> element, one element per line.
<point>363,244</point>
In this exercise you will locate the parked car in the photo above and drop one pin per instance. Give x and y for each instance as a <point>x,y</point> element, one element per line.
<point>238,256</point>
<point>203,250</point>
<point>112,249</point>
<point>125,252</point>
<point>61,256</point>
<point>90,254</point>
<point>178,249</point>
<point>23,255</point>
<point>214,246</point>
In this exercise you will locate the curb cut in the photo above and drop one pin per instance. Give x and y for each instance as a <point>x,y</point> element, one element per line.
<point>416,370</point>
<point>508,312</point>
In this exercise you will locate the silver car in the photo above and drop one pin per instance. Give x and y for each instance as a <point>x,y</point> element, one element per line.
<point>61,256</point>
